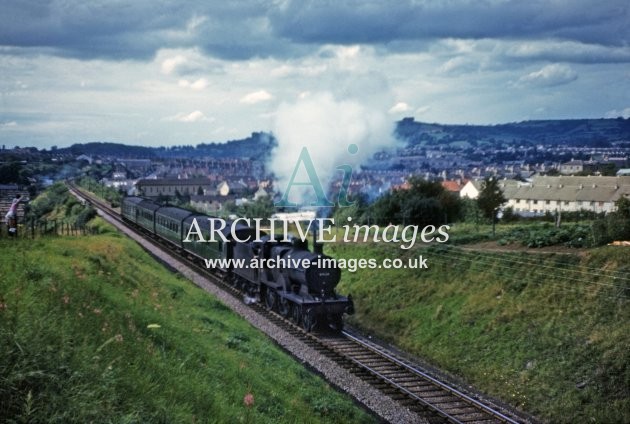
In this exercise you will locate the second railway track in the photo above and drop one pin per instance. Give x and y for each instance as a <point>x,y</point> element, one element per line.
<point>409,385</point>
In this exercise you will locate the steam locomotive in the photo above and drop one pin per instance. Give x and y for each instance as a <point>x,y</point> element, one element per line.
<point>306,294</point>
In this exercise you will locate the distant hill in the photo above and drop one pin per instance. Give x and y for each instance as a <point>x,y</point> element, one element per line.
<point>570,132</point>
<point>109,149</point>
<point>258,145</point>
<point>576,132</point>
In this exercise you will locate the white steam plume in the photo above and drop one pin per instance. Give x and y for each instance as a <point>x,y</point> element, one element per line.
<point>326,127</point>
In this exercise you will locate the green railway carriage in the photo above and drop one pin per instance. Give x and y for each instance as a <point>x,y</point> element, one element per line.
<point>146,215</point>
<point>169,223</point>
<point>210,247</point>
<point>129,208</point>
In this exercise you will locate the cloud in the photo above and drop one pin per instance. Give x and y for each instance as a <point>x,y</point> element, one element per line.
<point>8,124</point>
<point>292,28</point>
<point>564,51</point>
<point>624,113</point>
<point>196,116</point>
<point>360,21</point>
<point>170,65</point>
<point>256,97</point>
<point>400,107</point>
<point>423,109</point>
<point>460,64</point>
<point>199,84</point>
<point>549,76</point>
<point>285,70</point>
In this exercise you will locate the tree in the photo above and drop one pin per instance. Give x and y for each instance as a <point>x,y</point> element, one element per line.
<point>424,203</point>
<point>261,208</point>
<point>490,200</point>
<point>623,208</point>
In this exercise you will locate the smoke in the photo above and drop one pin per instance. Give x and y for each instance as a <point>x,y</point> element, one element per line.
<point>331,130</point>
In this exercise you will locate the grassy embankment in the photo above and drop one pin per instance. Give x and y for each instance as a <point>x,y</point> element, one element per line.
<point>547,333</point>
<point>93,330</point>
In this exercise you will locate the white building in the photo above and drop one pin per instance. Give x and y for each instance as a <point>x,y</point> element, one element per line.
<point>567,194</point>
<point>471,189</point>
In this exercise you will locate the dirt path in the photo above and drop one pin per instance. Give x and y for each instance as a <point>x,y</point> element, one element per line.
<point>493,246</point>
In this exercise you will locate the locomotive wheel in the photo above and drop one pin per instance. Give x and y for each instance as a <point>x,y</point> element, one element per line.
<point>284,307</point>
<point>270,299</point>
<point>309,319</point>
<point>296,314</point>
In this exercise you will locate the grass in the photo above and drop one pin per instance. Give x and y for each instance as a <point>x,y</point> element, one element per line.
<point>93,330</point>
<point>547,333</point>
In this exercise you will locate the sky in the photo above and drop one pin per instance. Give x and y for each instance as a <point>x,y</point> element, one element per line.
<point>160,73</point>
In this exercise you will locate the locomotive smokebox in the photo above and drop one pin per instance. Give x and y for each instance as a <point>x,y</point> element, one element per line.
<point>318,277</point>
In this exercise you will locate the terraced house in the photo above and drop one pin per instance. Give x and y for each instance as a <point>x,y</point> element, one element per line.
<point>171,186</point>
<point>565,194</point>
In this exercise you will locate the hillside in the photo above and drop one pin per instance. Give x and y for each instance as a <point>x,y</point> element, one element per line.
<point>549,333</point>
<point>256,146</point>
<point>569,132</point>
<point>93,330</point>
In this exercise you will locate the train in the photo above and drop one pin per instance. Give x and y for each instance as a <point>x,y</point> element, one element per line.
<point>302,289</point>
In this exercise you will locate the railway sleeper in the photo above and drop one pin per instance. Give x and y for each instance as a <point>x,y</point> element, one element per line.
<point>400,376</point>
<point>488,420</point>
<point>469,412</point>
<point>433,396</point>
<point>460,404</point>
<point>417,387</point>
<point>444,400</point>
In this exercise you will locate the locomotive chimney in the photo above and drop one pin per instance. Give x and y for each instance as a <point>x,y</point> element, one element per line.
<point>318,248</point>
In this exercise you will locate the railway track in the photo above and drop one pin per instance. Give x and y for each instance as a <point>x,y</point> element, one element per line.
<point>406,383</point>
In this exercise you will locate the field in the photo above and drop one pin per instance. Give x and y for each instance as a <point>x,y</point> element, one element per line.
<point>93,330</point>
<point>546,332</point>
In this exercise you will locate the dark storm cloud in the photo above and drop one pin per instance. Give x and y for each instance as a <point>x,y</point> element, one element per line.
<point>136,29</point>
<point>360,21</point>
<point>87,29</point>
<point>248,28</point>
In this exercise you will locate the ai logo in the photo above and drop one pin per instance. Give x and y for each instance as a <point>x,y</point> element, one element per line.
<point>313,181</point>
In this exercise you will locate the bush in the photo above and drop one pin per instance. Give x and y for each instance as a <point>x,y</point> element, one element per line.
<point>545,235</point>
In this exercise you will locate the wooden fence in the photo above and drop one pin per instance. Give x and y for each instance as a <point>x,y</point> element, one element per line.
<point>37,228</point>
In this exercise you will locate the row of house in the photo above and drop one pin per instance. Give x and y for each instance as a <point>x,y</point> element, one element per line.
<point>189,186</point>
<point>558,194</point>
<point>205,194</point>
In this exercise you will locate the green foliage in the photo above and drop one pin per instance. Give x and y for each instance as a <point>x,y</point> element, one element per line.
<point>490,198</point>
<point>260,208</point>
<point>425,203</point>
<point>57,204</point>
<point>470,211</point>
<point>357,211</point>
<point>93,330</point>
<point>10,173</point>
<point>614,226</point>
<point>546,333</point>
<point>509,215</point>
<point>623,208</point>
<point>579,235</point>
<point>110,194</point>
<point>54,197</point>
